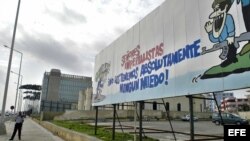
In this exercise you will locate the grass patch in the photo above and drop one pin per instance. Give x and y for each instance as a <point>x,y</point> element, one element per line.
<point>102,133</point>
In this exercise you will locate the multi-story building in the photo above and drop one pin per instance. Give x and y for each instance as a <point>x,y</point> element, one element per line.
<point>229,104</point>
<point>211,105</point>
<point>233,104</point>
<point>61,91</point>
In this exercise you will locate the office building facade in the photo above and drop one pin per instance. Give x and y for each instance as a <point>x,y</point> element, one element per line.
<point>61,91</point>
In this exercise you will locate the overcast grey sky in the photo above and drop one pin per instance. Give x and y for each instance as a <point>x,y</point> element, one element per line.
<point>62,34</point>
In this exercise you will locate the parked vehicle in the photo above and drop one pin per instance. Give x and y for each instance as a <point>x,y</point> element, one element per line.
<point>7,114</point>
<point>187,118</point>
<point>228,118</point>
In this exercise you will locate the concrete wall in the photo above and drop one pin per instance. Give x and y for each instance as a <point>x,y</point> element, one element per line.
<point>125,114</point>
<point>66,134</point>
<point>88,100</point>
<point>81,100</point>
<point>198,104</point>
<point>105,114</point>
<point>245,115</point>
<point>200,115</point>
<point>49,115</point>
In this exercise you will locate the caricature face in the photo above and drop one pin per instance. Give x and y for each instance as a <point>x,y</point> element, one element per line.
<point>219,17</point>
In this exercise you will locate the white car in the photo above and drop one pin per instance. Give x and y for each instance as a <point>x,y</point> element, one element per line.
<point>7,114</point>
<point>187,118</point>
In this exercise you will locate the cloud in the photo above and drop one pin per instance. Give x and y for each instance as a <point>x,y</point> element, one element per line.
<point>2,77</point>
<point>67,16</point>
<point>6,33</point>
<point>44,48</point>
<point>66,35</point>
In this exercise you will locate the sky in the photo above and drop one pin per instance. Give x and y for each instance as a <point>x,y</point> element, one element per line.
<point>62,34</point>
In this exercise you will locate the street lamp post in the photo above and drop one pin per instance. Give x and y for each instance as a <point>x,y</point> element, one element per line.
<point>20,96</point>
<point>19,75</point>
<point>2,128</point>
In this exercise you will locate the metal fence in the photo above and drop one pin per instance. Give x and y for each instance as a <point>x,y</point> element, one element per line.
<point>55,106</point>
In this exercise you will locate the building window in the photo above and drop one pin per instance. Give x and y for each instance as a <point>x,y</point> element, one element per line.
<point>178,107</point>
<point>167,106</point>
<point>154,105</point>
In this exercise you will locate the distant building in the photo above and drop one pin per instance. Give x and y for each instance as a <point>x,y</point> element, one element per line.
<point>179,104</point>
<point>61,91</point>
<point>173,104</point>
<point>222,95</point>
<point>233,104</point>
<point>211,105</point>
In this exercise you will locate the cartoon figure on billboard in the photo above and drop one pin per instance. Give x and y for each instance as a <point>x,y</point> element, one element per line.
<point>246,12</point>
<point>100,78</point>
<point>221,32</point>
<point>222,28</point>
<point>245,4</point>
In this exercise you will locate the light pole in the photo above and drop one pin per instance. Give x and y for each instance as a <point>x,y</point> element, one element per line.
<point>2,128</point>
<point>20,100</point>
<point>19,75</point>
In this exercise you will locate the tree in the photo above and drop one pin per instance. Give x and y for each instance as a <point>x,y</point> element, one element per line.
<point>31,87</point>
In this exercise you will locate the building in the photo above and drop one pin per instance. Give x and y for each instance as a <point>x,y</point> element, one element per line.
<point>61,91</point>
<point>173,104</point>
<point>233,104</point>
<point>210,105</point>
<point>179,104</point>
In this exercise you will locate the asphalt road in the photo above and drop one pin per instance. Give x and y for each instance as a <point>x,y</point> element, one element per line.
<point>200,127</point>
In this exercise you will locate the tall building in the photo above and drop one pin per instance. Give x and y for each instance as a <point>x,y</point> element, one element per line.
<point>61,91</point>
<point>211,105</point>
<point>233,104</point>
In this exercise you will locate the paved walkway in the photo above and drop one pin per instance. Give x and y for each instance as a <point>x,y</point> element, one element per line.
<point>31,132</point>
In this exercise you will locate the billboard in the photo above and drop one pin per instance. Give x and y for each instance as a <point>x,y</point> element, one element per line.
<point>183,47</point>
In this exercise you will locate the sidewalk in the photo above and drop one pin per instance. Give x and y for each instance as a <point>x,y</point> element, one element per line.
<point>31,132</point>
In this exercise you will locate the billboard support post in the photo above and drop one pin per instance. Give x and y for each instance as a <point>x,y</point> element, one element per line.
<point>167,112</point>
<point>135,113</point>
<point>96,118</point>
<point>140,120</point>
<point>113,129</point>
<point>219,111</point>
<point>191,111</point>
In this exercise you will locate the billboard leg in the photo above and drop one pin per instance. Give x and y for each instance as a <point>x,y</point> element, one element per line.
<point>135,113</point>
<point>96,118</point>
<point>222,122</point>
<point>113,129</point>
<point>140,120</point>
<point>191,110</point>
<point>167,111</point>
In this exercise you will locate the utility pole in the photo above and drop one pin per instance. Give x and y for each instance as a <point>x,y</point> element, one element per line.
<point>3,129</point>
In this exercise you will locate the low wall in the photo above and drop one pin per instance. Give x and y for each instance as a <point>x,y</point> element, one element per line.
<point>66,134</point>
<point>245,115</point>
<point>179,114</point>
<point>49,115</point>
<point>125,114</point>
<point>105,114</point>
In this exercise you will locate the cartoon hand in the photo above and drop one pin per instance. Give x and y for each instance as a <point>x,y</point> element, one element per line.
<point>230,40</point>
<point>208,26</point>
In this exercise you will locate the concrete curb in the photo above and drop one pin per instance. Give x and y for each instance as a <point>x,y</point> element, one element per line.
<point>66,134</point>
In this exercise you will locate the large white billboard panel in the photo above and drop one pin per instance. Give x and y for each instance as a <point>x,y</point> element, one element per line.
<point>181,48</point>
